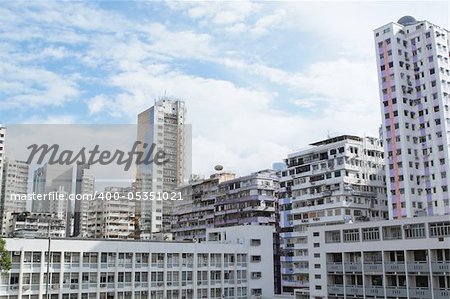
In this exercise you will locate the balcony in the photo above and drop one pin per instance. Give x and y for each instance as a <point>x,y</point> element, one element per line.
<point>373,267</point>
<point>352,267</point>
<point>420,293</point>
<point>418,267</point>
<point>335,289</point>
<point>295,283</point>
<point>354,290</point>
<point>375,291</point>
<point>440,267</point>
<point>394,267</point>
<point>334,267</point>
<point>396,291</point>
<point>441,293</point>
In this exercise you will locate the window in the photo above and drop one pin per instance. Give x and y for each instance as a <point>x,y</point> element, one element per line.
<point>440,229</point>
<point>392,232</point>
<point>371,234</point>
<point>351,235</point>
<point>255,242</point>
<point>256,258</point>
<point>414,231</point>
<point>333,236</point>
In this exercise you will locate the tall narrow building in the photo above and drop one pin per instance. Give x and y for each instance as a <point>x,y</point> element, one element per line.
<point>2,153</point>
<point>111,219</point>
<point>163,126</point>
<point>14,185</point>
<point>50,179</point>
<point>334,181</point>
<point>85,188</point>
<point>414,83</point>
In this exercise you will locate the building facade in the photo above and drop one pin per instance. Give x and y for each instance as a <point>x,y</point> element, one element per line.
<point>111,218</point>
<point>49,179</point>
<point>226,201</point>
<point>164,126</point>
<point>15,182</point>
<point>414,83</point>
<point>337,180</point>
<point>247,200</point>
<point>2,154</point>
<point>195,213</point>
<point>35,225</point>
<point>232,263</point>
<point>407,258</point>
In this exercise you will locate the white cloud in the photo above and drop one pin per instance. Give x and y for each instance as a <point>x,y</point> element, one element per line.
<point>65,119</point>
<point>34,87</point>
<point>243,124</point>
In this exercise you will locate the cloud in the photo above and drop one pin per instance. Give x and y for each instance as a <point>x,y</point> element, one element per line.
<point>32,87</point>
<point>51,119</point>
<point>250,96</point>
<point>221,13</point>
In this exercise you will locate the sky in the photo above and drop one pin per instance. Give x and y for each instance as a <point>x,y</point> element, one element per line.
<point>260,79</point>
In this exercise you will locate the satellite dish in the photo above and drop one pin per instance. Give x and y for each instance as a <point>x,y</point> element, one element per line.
<point>218,168</point>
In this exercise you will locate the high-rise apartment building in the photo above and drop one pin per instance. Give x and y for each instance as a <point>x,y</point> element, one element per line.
<point>195,213</point>
<point>164,126</point>
<point>111,218</point>
<point>337,180</point>
<point>2,153</point>
<point>50,179</point>
<point>414,83</point>
<point>15,184</point>
<point>84,188</point>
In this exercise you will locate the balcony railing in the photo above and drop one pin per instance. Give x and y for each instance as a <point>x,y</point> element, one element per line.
<point>335,289</point>
<point>393,291</point>
<point>394,267</point>
<point>440,267</point>
<point>418,267</point>
<point>334,267</point>
<point>441,293</point>
<point>352,267</point>
<point>420,293</point>
<point>373,267</point>
<point>354,290</point>
<point>375,291</point>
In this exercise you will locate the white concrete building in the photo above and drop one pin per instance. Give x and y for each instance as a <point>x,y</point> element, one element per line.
<point>234,263</point>
<point>414,83</point>
<point>50,179</point>
<point>334,181</point>
<point>87,188</point>
<point>15,182</point>
<point>407,258</point>
<point>111,218</point>
<point>2,154</point>
<point>162,125</point>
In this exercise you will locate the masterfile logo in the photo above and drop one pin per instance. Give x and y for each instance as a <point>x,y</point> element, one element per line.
<point>115,153</point>
<point>53,155</point>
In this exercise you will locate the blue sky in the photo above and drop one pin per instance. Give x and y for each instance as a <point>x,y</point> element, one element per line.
<point>260,79</point>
